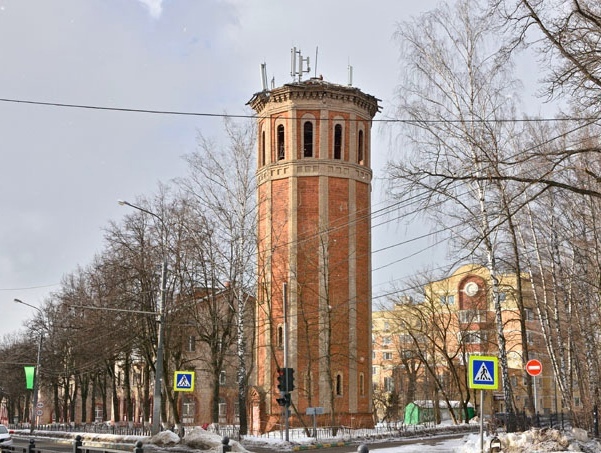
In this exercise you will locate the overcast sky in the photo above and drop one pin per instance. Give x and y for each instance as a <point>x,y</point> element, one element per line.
<point>63,169</point>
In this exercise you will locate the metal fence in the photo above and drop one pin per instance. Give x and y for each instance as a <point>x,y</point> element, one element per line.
<point>521,422</point>
<point>383,432</point>
<point>120,429</point>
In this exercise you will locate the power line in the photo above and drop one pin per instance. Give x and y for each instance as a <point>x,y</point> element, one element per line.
<point>229,115</point>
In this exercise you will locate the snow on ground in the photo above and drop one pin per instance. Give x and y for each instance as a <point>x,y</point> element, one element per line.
<point>198,439</point>
<point>533,441</point>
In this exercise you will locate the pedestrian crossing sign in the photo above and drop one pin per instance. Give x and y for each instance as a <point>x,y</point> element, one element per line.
<point>483,372</point>
<point>183,381</point>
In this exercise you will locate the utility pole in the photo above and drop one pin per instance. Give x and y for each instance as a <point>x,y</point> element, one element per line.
<point>36,374</point>
<point>286,395</point>
<point>158,384</point>
<point>158,374</point>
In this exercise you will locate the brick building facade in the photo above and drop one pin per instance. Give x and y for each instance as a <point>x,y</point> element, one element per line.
<point>314,187</point>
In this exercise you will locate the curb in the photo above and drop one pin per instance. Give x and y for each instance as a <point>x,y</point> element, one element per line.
<point>318,446</point>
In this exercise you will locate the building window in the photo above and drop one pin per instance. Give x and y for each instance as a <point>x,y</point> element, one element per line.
<point>222,378</point>
<point>474,337</point>
<point>263,148</point>
<point>308,139</point>
<point>408,354</point>
<point>405,338</point>
<point>374,370</point>
<point>338,141</point>
<point>222,409</point>
<point>188,411</point>
<point>530,337</point>
<point>98,413</point>
<point>528,314</point>
<point>281,142</point>
<point>389,384</point>
<point>191,343</point>
<point>361,384</point>
<point>386,340</point>
<point>387,356</point>
<point>339,384</point>
<point>447,299</point>
<point>471,316</point>
<point>360,151</point>
<point>502,297</point>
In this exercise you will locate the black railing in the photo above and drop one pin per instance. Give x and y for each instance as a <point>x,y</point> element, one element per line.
<point>120,429</point>
<point>78,447</point>
<point>521,422</point>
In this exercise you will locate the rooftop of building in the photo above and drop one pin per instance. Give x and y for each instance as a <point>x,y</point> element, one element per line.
<point>316,87</point>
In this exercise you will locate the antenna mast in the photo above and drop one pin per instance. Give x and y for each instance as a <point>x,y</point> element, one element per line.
<point>264,76</point>
<point>298,70</point>
<point>350,75</point>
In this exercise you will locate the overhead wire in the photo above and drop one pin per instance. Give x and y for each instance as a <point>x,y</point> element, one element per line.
<point>249,116</point>
<point>372,215</point>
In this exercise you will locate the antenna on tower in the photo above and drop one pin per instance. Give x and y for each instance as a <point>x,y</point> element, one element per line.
<point>298,70</point>
<point>264,76</point>
<point>350,75</point>
<point>316,50</point>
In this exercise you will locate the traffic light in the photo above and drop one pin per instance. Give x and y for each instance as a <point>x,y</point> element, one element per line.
<point>289,379</point>
<point>285,400</point>
<point>285,379</point>
<point>281,381</point>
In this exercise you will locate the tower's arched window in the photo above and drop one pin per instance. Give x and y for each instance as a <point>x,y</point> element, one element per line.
<point>280,336</point>
<point>361,384</point>
<point>338,141</point>
<point>281,141</point>
<point>339,384</point>
<point>360,150</point>
<point>308,139</point>
<point>262,147</point>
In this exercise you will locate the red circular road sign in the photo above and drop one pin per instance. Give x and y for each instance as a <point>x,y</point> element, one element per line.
<point>534,367</point>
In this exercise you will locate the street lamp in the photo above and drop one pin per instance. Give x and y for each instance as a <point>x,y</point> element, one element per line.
<point>34,410</point>
<point>158,375</point>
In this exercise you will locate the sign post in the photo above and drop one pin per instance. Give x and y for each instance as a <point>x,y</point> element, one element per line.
<point>534,368</point>
<point>483,375</point>
<point>314,411</point>
<point>183,381</point>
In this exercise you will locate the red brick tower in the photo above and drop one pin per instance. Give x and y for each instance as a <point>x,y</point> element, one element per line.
<point>314,187</point>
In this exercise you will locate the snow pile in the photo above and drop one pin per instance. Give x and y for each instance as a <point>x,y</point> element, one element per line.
<point>165,439</point>
<point>535,440</point>
<point>196,439</point>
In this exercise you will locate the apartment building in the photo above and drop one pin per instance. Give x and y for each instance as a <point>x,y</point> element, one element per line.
<point>421,347</point>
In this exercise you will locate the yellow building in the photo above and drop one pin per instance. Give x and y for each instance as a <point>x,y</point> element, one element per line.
<point>421,347</point>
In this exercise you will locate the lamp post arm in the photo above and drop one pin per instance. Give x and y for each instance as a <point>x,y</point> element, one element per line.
<point>139,208</point>
<point>122,310</point>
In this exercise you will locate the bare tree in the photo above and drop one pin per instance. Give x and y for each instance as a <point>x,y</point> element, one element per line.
<point>222,187</point>
<point>455,91</point>
<point>567,36</point>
